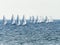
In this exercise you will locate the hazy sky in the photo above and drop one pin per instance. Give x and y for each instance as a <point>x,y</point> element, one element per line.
<point>28,8</point>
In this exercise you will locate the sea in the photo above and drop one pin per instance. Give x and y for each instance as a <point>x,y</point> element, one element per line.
<point>30,34</point>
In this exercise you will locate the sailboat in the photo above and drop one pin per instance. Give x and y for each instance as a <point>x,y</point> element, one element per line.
<point>36,21</point>
<point>18,21</point>
<point>32,20</point>
<point>46,19</point>
<point>28,21</point>
<point>23,21</point>
<point>49,20</point>
<point>12,20</point>
<point>4,20</point>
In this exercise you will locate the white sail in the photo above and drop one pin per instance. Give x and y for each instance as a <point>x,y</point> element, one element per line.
<point>12,20</point>
<point>17,21</point>
<point>4,20</point>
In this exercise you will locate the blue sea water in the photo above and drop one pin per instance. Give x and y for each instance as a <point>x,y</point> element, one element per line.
<point>30,34</point>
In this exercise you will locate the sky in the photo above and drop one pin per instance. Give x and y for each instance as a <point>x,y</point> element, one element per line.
<point>50,8</point>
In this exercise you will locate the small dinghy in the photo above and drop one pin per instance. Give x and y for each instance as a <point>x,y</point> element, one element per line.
<point>4,20</point>
<point>18,21</point>
<point>23,21</point>
<point>12,20</point>
<point>47,20</point>
<point>32,20</point>
<point>36,21</point>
